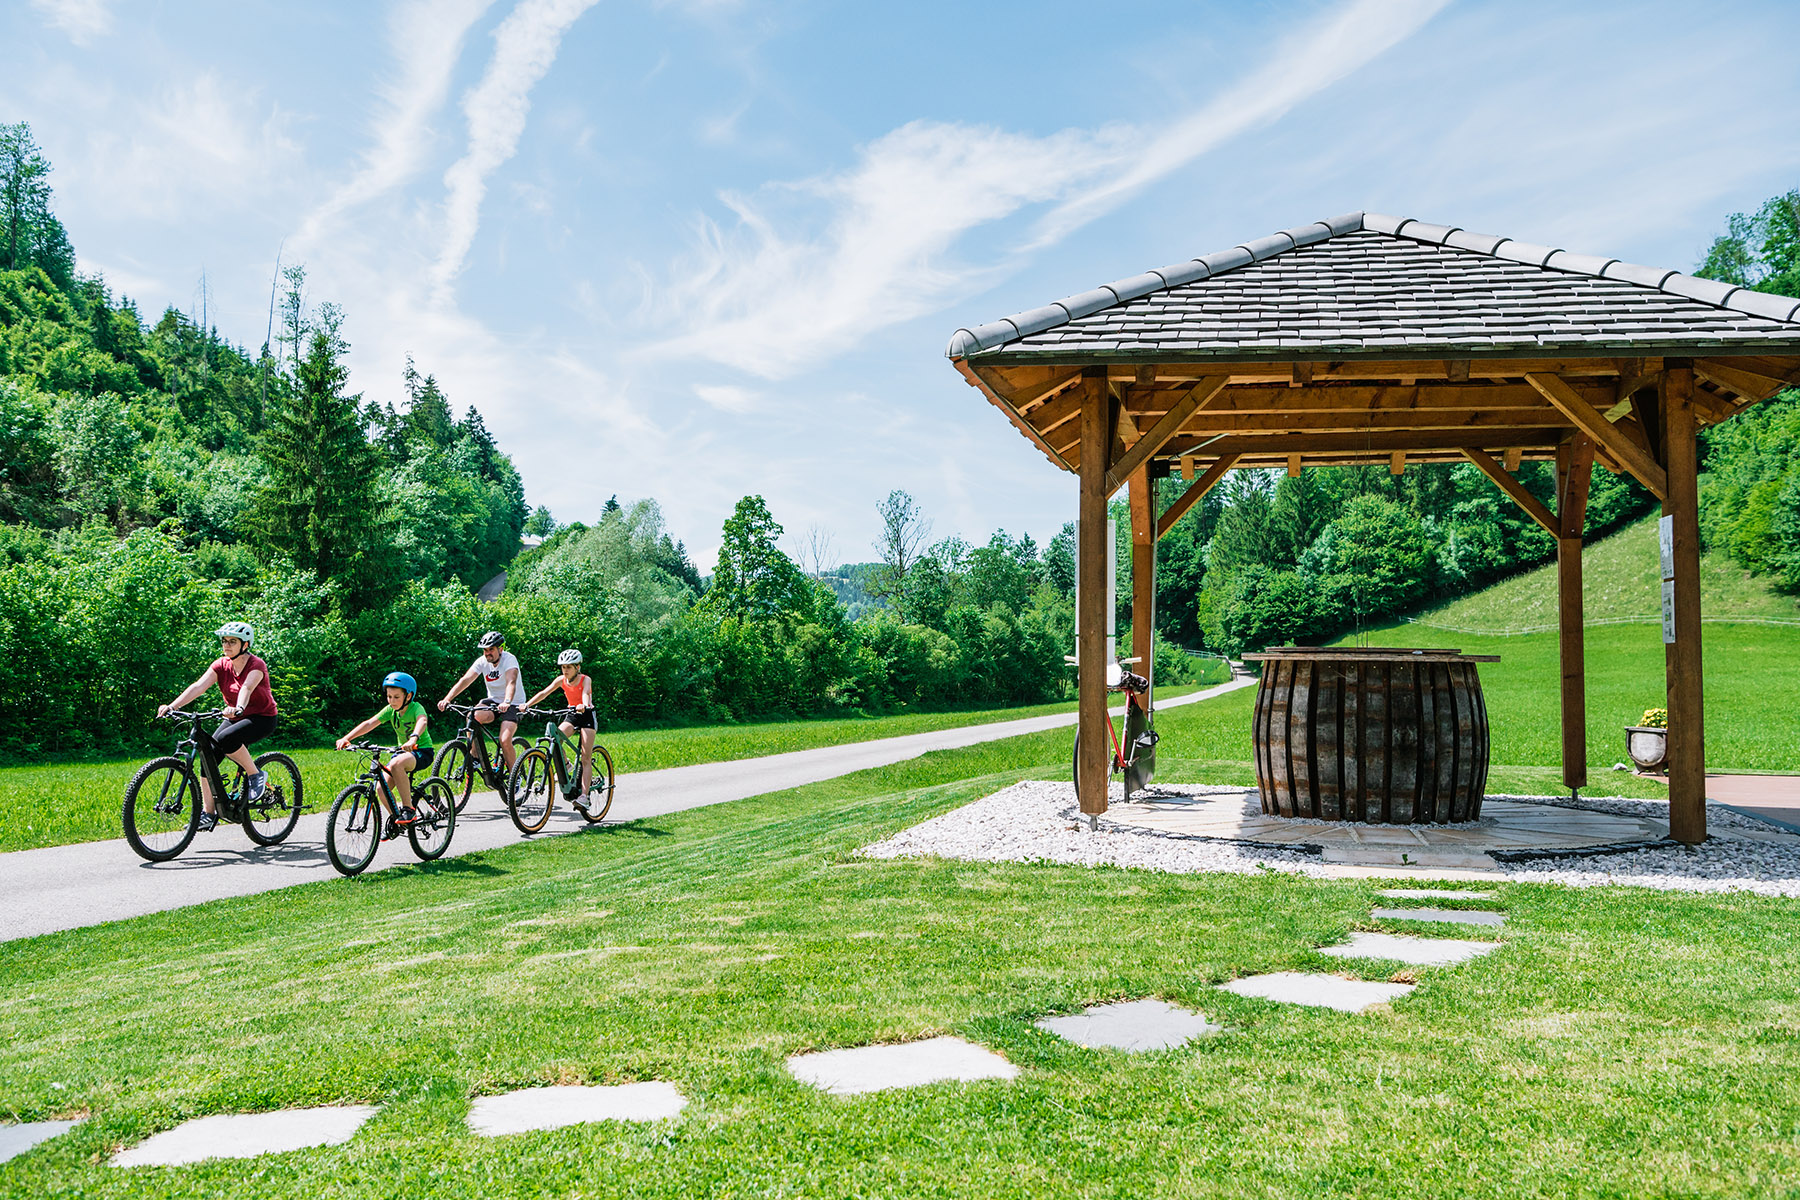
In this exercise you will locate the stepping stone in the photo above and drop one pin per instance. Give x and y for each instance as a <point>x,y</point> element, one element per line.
<point>1317,991</point>
<point>555,1107</point>
<point>17,1139</point>
<point>1420,952</point>
<point>1132,1025</point>
<point>1433,894</point>
<point>1454,916</point>
<point>245,1136</point>
<point>910,1064</point>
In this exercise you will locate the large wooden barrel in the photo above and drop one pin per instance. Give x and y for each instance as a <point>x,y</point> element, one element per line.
<point>1374,735</point>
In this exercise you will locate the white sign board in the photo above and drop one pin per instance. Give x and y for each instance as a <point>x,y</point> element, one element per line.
<point>1665,539</point>
<point>1112,582</point>
<point>1668,612</point>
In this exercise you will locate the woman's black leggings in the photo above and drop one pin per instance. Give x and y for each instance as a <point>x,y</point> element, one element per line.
<point>241,732</point>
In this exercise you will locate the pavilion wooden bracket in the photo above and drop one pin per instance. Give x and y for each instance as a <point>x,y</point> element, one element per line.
<point>1534,508</point>
<point>1158,435</point>
<point>1585,417</point>
<point>1195,493</point>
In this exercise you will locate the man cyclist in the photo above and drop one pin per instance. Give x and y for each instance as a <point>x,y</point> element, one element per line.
<point>578,694</point>
<point>407,719</point>
<point>243,680</point>
<point>499,670</point>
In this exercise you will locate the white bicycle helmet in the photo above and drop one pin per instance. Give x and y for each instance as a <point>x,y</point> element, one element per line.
<point>239,630</point>
<point>567,657</point>
<point>490,639</point>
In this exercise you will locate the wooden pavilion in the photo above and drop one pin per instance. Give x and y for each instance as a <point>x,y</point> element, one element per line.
<point>1377,339</point>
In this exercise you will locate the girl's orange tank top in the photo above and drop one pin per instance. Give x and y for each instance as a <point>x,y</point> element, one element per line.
<point>572,688</point>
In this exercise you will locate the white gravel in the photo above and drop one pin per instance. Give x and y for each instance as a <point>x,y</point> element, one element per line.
<point>1039,822</point>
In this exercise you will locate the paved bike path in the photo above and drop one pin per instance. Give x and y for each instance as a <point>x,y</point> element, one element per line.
<point>67,887</point>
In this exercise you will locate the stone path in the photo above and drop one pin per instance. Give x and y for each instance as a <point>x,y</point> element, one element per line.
<point>245,1136</point>
<point>67,887</point>
<point>1450,916</point>
<point>17,1139</point>
<point>1774,798</point>
<point>1132,1025</point>
<point>1414,951</point>
<point>535,1109</point>
<point>908,1064</point>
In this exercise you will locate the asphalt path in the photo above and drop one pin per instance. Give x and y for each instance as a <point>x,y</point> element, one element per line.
<point>68,887</point>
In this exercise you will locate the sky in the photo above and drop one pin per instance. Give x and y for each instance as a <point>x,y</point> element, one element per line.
<point>692,250</point>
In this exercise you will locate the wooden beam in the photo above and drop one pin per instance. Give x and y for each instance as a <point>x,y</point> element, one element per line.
<point>1374,445</point>
<point>1092,750</point>
<point>1575,463</point>
<point>1143,574</point>
<point>1303,374</point>
<point>1397,463</point>
<point>1362,397</point>
<point>1457,370</point>
<point>1513,458</point>
<point>1187,467</point>
<point>1358,421</point>
<point>1587,418</point>
<point>1748,384</point>
<point>1195,493</point>
<point>1019,422</point>
<point>1158,435</point>
<point>1682,657</point>
<point>1574,468</point>
<point>1053,390</point>
<point>1534,508</point>
<point>1293,467</point>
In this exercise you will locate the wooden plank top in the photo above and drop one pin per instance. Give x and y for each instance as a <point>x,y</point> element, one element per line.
<point>1365,654</point>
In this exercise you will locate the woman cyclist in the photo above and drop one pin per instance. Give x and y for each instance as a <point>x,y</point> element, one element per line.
<point>578,692</point>
<point>243,679</point>
<point>414,750</point>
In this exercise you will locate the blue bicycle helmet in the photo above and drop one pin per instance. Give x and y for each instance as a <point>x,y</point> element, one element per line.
<point>403,681</point>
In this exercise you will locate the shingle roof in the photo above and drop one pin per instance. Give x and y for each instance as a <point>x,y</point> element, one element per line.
<point>1364,283</point>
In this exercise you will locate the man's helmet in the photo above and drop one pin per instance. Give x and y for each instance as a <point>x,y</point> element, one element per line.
<point>567,657</point>
<point>401,680</point>
<point>239,630</point>
<point>492,638</point>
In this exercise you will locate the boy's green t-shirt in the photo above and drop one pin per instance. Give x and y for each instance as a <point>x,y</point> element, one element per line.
<point>401,722</point>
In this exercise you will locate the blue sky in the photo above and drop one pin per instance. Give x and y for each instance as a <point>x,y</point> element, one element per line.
<point>692,249</point>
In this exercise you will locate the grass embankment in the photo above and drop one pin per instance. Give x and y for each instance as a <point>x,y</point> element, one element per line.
<point>1623,1043</point>
<point>63,803</point>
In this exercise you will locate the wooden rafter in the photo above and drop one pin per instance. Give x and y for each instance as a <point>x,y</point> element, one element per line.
<point>1751,385</point>
<point>1020,423</point>
<point>1195,493</point>
<point>1534,508</point>
<point>1631,454</point>
<point>1158,435</point>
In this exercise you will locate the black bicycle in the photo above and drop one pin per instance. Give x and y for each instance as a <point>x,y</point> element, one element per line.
<point>543,770</point>
<point>465,758</point>
<point>359,821</point>
<point>162,801</point>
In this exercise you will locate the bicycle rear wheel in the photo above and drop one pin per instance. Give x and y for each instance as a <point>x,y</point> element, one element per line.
<point>1112,763</point>
<point>162,809</point>
<point>532,788</point>
<point>270,819</point>
<point>600,787</point>
<point>457,769</point>
<point>353,829</point>
<point>435,804</point>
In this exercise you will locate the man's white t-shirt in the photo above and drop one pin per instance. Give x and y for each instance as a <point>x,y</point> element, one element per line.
<point>494,675</point>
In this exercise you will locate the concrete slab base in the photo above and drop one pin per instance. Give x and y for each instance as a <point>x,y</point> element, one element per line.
<point>245,1136</point>
<point>909,1064</point>
<point>1132,1025</point>
<point>1452,916</point>
<point>17,1139</point>
<point>1433,894</point>
<point>555,1107</point>
<point>1417,951</point>
<point>1317,991</point>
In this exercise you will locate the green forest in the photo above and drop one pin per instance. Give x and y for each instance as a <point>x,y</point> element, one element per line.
<point>158,478</point>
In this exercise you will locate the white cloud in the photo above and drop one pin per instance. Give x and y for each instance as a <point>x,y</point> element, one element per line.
<point>525,46</point>
<point>82,20</point>
<point>786,287</point>
<point>728,397</point>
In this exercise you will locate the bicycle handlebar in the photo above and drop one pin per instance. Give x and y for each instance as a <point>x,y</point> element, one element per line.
<point>182,715</point>
<point>552,713</point>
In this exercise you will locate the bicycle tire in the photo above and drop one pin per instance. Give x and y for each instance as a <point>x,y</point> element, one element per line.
<point>600,788</point>
<point>1075,765</point>
<point>435,804</point>
<point>531,787</point>
<point>166,827</point>
<point>456,767</point>
<point>269,821</point>
<point>353,829</point>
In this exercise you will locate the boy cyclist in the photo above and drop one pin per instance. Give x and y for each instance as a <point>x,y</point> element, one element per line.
<point>499,670</point>
<point>410,724</point>
<point>243,681</point>
<point>578,693</point>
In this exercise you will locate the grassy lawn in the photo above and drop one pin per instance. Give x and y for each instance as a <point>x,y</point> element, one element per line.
<point>1625,1043</point>
<point>62,803</point>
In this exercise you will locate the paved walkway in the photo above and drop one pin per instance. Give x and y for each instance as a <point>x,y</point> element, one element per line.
<point>67,887</point>
<point>1774,798</point>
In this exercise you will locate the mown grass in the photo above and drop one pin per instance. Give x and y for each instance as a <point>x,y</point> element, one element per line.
<point>63,803</point>
<point>1624,1043</point>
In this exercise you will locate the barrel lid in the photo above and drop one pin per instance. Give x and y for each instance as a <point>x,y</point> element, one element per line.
<point>1367,654</point>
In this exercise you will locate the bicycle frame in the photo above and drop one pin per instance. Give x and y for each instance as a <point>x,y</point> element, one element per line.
<point>558,759</point>
<point>476,734</point>
<point>193,747</point>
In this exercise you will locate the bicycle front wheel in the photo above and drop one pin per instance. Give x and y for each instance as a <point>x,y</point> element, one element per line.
<point>600,788</point>
<point>457,770</point>
<point>162,809</point>
<point>353,829</point>
<point>532,789</point>
<point>435,804</point>
<point>270,819</point>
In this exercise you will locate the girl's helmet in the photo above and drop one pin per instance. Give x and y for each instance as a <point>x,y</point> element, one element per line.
<point>403,681</point>
<point>491,638</point>
<point>239,630</point>
<point>567,657</point>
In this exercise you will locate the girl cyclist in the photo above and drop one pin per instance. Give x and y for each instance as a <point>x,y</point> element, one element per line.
<point>578,692</point>
<point>414,749</point>
<point>243,681</point>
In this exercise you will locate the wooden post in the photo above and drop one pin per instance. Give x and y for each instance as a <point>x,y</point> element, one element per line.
<point>1574,470</point>
<point>1143,573</point>
<point>1682,660</point>
<point>1093,746</point>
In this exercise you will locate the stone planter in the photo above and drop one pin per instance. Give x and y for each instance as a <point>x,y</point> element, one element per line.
<point>1648,746</point>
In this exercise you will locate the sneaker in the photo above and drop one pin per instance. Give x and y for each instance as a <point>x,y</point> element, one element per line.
<point>208,822</point>
<point>408,816</point>
<point>259,784</point>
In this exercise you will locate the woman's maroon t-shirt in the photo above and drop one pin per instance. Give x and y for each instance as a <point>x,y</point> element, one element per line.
<point>262,700</point>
